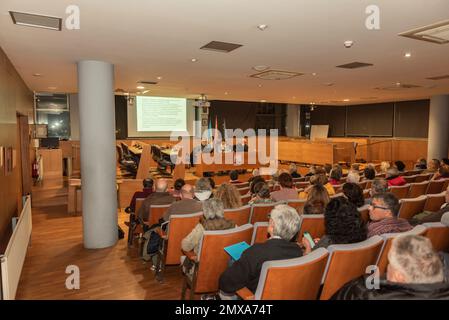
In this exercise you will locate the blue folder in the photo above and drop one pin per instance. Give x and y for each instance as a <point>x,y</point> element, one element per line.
<point>236,250</point>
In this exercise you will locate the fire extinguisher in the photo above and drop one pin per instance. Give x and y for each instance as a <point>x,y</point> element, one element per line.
<point>35,171</point>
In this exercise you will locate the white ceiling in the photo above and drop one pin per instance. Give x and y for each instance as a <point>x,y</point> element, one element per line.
<point>150,38</point>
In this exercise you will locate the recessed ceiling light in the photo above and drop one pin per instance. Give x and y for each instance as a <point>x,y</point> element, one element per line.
<point>407,55</point>
<point>346,100</point>
<point>37,74</point>
<point>262,27</point>
<point>348,43</point>
<point>261,68</point>
<point>259,85</point>
<point>314,74</point>
<point>226,93</point>
<point>159,78</point>
<point>52,88</point>
<point>263,101</point>
<point>140,87</point>
<point>143,92</point>
<point>194,59</point>
<point>398,84</point>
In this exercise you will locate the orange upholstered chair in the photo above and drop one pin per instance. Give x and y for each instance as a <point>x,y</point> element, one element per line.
<point>347,262</point>
<point>260,233</point>
<point>297,204</point>
<point>417,189</point>
<point>156,213</point>
<point>240,216</point>
<point>438,233</point>
<point>435,201</point>
<point>400,191</point>
<point>290,279</point>
<point>313,224</point>
<point>259,212</point>
<point>436,186</point>
<point>409,207</point>
<point>212,260</point>
<point>364,212</point>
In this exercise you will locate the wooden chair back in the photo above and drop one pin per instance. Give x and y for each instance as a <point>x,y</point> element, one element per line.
<point>179,227</point>
<point>410,207</point>
<point>417,189</point>
<point>245,199</point>
<point>260,233</point>
<point>347,262</point>
<point>438,233</point>
<point>434,202</point>
<point>243,191</point>
<point>410,179</point>
<point>313,224</point>
<point>292,279</point>
<point>364,213</point>
<point>156,213</point>
<point>213,259</point>
<point>297,204</point>
<point>400,192</point>
<point>423,177</point>
<point>435,186</point>
<point>240,216</point>
<point>259,212</point>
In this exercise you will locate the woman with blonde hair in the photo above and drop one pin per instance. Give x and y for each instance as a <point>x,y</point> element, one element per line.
<point>384,166</point>
<point>229,195</point>
<point>317,200</point>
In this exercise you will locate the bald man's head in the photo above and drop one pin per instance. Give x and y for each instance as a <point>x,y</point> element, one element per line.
<point>187,191</point>
<point>161,185</point>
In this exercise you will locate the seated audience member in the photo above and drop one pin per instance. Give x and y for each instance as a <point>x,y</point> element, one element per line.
<point>434,165</point>
<point>212,219</point>
<point>186,205</point>
<point>369,173</point>
<point>159,197</point>
<point>379,185</point>
<point>177,186</point>
<point>254,174</point>
<point>355,167</point>
<point>294,171</point>
<point>229,195</point>
<point>283,227</point>
<point>312,171</point>
<point>445,219</point>
<point>317,200</point>
<point>443,173</point>
<point>384,166</point>
<point>393,178</point>
<point>354,194</point>
<point>415,271</point>
<point>261,193</point>
<point>335,177</point>
<point>318,179</point>
<point>328,168</point>
<point>343,225</point>
<point>444,162</point>
<point>384,216</point>
<point>353,176</point>
<point>421,164</point>
<point>400,166</point>
<point>146,191</point>
<point>253,183</point>
<point>203,189</point>
<point>427,216</point>
<point>211,182</point>
<point>234,175</point>
<point>287,192</point>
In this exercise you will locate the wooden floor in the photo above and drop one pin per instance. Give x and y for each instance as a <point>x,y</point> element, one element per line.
<point>112,273</point>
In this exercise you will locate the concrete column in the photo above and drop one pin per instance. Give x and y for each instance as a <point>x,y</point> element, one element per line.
<point>98,160</point>
<point>438,140</point>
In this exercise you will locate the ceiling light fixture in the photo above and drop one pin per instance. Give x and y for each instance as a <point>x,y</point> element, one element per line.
<point>314,74</point>
<point>37,75</point>
<point>261,68</point>
<point>159,78</point>
<point>346,100</point>
<point>263,101</point>
<point>52,88</point>
<point>348,43</point>
<point>259,85</point>
<point>407,55</point>
<point>262,27</point>
<point>194,60</point>
<point>143,92</point>
<point>140,87</point>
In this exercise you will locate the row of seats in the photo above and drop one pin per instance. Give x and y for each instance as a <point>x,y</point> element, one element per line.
<point>317,275</point>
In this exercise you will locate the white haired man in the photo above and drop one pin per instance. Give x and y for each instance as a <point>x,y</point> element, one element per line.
<point>415,271</point>
<point>283,227</point>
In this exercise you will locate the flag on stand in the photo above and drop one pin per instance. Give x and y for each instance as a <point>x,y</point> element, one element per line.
<point>216,130</point>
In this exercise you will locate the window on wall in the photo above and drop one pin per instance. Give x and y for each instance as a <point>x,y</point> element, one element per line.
<point>52,110</point>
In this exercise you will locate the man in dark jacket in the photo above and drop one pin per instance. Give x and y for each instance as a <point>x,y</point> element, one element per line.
<point>160,197</point>
<point>282,228</point>
<point>415,271</point>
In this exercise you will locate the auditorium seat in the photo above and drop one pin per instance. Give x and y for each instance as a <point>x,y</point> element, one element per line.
<point>366,194</point>
<point>382,261</point>
<point>156,213</point>
<point>423,177</point>
<point>260,233</point>
<point>297,204</point>
<point>179,226</point>
<point>290,279</point>
<point>241,185</point>
<point>417,189</point>
<point>212,260</point>
<point>436,186</point>
<point>245,198</point>
<point>368,184</point>
<point>435,201</point>
<point>410,207</point>
<point>438,233</point>
<point>243,191</point>
<point>240,216</point>
<point>259,212</point>
<point>362,184</point>
<point>302,184</point>
<point>364,213</point>
<point>313,224</point>
<point>410,179</point>
<point>133,228</point>
<point>400,191</point>
<point>347,262</point>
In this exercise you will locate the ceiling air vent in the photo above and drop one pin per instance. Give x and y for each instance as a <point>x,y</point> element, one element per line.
<point>398,87</point>
<point>354,65</point>
<point>221,46</point>
<point>36,20</point>
<point>436,33</point>
<point>146,82</point>
<point>276,75</point>
<point>439,77</point>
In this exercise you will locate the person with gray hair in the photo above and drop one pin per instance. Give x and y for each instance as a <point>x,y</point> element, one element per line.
<point>212,219</point>
<point>203,189</point>
<point>415,271</point>
<point>393,177</point>
<point>353,176</point>
<point>283,228</point>
<point>159,197</point>
<point>379,185</point>
<point>186,205</point>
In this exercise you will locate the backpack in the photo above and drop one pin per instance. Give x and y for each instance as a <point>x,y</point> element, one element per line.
<point>151,245</point>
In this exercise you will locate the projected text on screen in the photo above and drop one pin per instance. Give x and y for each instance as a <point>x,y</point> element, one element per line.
<point>161,114</point>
